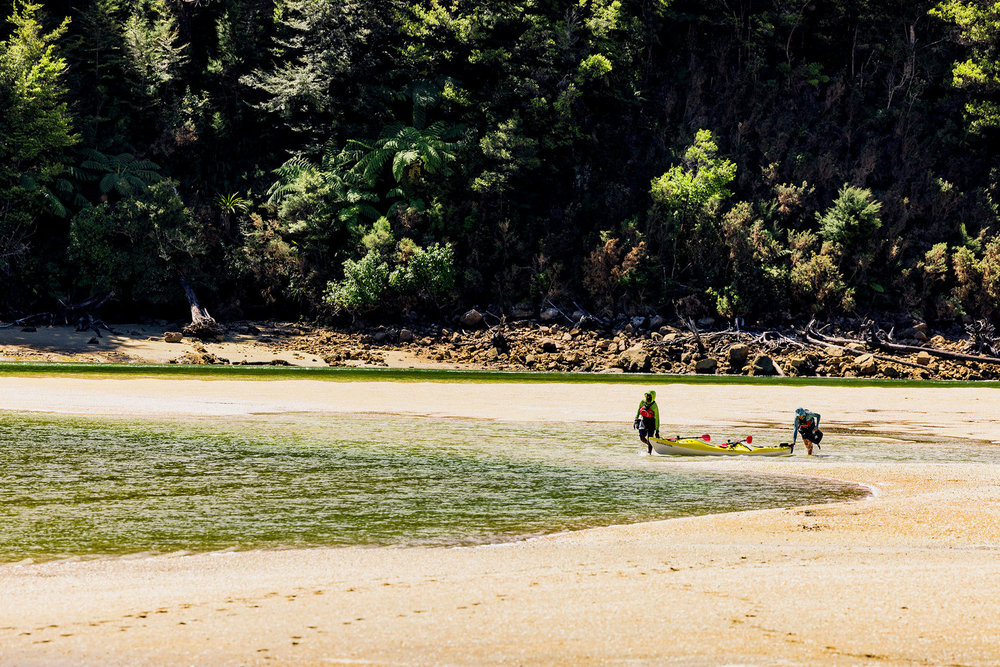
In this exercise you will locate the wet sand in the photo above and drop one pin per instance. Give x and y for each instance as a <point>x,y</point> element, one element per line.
<point>909,576</point>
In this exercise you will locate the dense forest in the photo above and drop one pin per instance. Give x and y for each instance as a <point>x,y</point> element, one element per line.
<point>770,160</point>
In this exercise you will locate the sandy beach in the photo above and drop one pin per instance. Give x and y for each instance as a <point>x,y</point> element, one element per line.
<point>910,576</point>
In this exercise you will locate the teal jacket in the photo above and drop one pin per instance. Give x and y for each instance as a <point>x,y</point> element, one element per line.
<point>652,406</point>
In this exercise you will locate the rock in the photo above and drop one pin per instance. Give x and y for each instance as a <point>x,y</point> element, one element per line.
<point>834,352</point>
<point>173,336</point>
<point>522,311</point>
<point>656,322</point>
<point>763,365</point>
<point>706,365</point>
<point>706,322</point>
<point>800,366</point>
<point>738,355</point>
<point>549,315</point>
<point>405,336</point>
<point>866,365</point>
<point>938,341</point>
<point>637,322</point>
<point>204,329</point>
<point>473,319</point>
<point>548,346</point>
<point>634,360</point>
<point>924,358</point>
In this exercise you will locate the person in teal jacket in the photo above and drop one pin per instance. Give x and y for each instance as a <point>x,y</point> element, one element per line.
<point>807,423</point>
<point>647,419</point>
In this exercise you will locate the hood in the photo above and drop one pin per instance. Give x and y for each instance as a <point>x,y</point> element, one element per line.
<point>652,395</point>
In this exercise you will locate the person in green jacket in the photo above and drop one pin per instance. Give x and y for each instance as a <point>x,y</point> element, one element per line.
<point>647,419</point>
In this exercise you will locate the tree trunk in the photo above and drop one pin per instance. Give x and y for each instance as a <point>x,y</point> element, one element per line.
<point>202,324</point>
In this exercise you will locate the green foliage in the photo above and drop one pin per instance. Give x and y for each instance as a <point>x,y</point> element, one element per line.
<point>978,25</point>
<point>496,140</point>
<point>123,174</point>
<point>138,246</point>
<point>364,285</point>
<point>977,278</point>
<point>687,200</point>
<point>853,217</point>
<point>35,129</point>
<point>411,276</point>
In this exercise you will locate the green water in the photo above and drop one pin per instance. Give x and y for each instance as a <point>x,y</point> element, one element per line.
<point>89,487</point>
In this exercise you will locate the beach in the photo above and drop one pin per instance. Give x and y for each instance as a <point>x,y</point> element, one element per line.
<point>907,576</point>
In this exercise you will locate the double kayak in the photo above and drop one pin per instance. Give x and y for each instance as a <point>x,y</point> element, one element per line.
<point>703,446</point>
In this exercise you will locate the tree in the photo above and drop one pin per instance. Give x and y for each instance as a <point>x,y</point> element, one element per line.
<point>684,219</point>
<point>142,247</point>
<point>35,126</point>
<point>978,25</point>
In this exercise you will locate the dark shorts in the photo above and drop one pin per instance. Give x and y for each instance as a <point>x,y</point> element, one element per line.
<point>812,435</point>
<point>647,425</point>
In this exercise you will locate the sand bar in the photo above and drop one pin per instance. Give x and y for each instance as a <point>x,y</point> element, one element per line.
<point>910,576</point>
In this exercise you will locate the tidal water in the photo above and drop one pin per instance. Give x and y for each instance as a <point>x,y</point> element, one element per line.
<point>91,487</point>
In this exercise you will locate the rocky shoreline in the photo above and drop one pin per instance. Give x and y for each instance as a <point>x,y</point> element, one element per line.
<point>639,345</point>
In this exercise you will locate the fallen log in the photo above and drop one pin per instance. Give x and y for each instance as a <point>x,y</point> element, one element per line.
<point>911,349</point>
<point>859,353</point>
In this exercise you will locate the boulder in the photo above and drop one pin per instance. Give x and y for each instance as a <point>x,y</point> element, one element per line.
<point>707,365</point>
<point>800,366</point>
<point>405,336</point>
<point>549,315</point>
<point>924,358</point>
<point>522,311</point>
<point>634,360</point>
<point>173,336</point>
<point>763,365</point>
<point>548,346</point>
<point>866,365</point>
<point>473,319</point>
<point>656,322</point>
<point>738,355</point>
<point>834,352</point>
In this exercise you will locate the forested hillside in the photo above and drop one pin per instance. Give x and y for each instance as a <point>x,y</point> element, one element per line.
<point>768,160</point>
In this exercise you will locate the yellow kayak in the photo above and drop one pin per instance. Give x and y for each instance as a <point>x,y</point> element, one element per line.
<point>703,446</point>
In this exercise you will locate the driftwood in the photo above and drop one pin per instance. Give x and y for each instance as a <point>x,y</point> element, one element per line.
<point>81,314</point>
<point>858,353</point>
<point>874,341</point>
<point>697,336</point>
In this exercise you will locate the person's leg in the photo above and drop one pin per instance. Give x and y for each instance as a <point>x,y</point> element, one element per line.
<point>807,437</point>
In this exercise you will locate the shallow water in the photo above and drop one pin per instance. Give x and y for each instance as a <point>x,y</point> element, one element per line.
<point>87,487</point>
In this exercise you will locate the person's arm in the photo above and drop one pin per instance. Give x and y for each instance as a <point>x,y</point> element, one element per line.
<point>638,410</point>
<point>816,415</point>
<point>656,417</point>
<point>795,432</point>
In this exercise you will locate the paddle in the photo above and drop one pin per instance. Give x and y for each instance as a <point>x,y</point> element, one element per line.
<point>706,437</point>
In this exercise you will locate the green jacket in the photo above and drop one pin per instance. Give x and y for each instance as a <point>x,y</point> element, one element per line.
<point>652,406</point>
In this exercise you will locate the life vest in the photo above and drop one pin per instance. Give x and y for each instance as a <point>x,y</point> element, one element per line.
<point>806,422</point>
<point>645,412</point>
